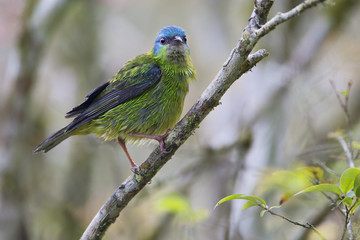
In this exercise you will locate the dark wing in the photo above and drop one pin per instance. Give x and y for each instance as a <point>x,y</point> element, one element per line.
<point>111,94</point>
<point>90,98</point>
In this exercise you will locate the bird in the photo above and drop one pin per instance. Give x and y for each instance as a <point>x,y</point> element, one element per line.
<point>143,101</point>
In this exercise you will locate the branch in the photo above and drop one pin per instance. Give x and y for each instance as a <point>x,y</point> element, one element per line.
<point>306,225</point>
<point>239,62</point>
<point>283,17</point>
<point>346,223</point>
<point>347,151</point>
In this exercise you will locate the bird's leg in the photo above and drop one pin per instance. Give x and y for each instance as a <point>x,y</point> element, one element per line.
<point>158,138</point>
<point>122,144</point>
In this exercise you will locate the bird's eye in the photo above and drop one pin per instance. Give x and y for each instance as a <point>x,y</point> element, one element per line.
<point>185,40</point>
<point>162,41</point>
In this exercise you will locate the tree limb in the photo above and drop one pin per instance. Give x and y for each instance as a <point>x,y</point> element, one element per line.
<point>239,62</point>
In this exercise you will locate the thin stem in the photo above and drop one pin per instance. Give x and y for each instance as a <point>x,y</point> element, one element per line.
<point>307,225</point>
<point>345,107</point>
<point>348,120</point>
<point>283,17</point>
<point>349,225</point>
<point>326,168</point>
<point>349,229</point>
<point>347,151</point>
<point>345,224</point>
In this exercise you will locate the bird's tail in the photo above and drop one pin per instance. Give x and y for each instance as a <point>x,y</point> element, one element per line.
<point>53,140</point>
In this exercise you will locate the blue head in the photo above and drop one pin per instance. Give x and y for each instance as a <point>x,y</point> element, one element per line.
<point>173,39</point>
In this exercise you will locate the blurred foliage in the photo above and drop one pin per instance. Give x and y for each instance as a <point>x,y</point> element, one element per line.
<point>347,192</point>
<point>179,206</point>
<point>291,181</point>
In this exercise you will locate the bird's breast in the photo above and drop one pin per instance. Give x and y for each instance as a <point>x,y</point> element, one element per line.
<point>167,103</point>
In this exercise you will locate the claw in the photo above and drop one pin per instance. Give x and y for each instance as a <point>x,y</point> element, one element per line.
<point>162,147</point>
<point>134,169</point>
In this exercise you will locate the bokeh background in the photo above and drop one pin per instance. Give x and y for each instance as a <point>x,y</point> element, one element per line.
<point>276,117</point>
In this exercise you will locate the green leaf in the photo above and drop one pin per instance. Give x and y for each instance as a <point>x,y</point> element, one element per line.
<point>254,199</point>
<point>228,198</point>
<point>285,197</point>
<point>180,207</point>
<point>357,191</point>
<point>173,203</point>
<point>355,144</point>
<point>347,201</point>
<point>347,179</point>
<point>345,93</point>
<point>274,207</point>
<point>312,172</point>
<point>248,204</point>
<point>262,213</point>
<point>355,207</point>
<point>322,188</point>
<point>357,185</point>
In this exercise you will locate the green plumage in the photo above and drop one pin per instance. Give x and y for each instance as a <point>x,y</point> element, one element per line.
<point>145,97</point>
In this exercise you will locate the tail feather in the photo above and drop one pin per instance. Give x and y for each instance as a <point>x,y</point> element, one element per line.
<point>52,141</point>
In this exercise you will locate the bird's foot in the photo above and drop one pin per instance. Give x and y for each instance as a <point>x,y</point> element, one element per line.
<point>134,168</point>
<point>161,141</point>
<point>158,138</point>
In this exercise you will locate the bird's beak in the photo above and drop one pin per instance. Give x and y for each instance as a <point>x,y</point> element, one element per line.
<point>178,40</point>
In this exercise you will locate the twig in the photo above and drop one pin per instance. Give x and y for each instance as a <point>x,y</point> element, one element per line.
<point>347,220</point>
<point>350,231</point>
<point>348,226</point>
<point>307,225</point>
<point>239,62</point>
<point>347,147</point>
<point>316,220</point>
<point>283,17</point>
<point>326,168</point>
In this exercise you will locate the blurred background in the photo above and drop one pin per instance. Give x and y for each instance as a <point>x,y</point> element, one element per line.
<point>276,117</point>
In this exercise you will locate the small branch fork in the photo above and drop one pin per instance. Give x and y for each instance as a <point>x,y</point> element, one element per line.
<point>239,62</point>
<point>347,147</point>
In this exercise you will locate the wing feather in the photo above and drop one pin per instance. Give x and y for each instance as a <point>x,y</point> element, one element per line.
<point>111,94</point>
<point>90,98</point>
